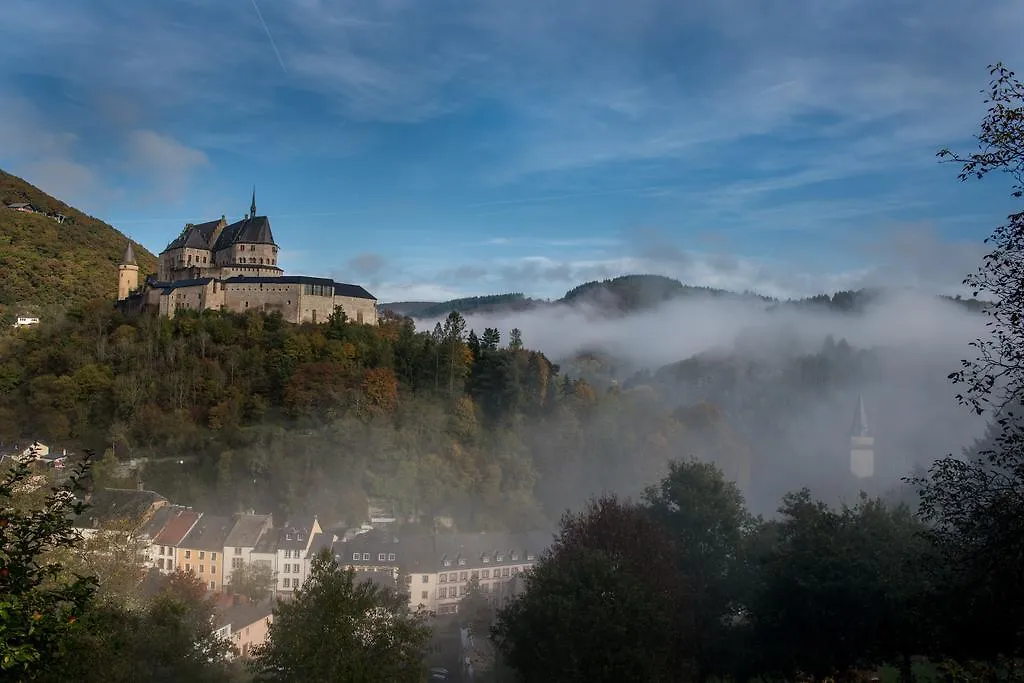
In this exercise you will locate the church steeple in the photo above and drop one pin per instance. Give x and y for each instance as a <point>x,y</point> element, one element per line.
<point>862,444</point>
<point>252,207</point>
<point>860,419</point>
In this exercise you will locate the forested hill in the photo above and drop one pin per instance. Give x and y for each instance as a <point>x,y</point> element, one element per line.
<point>45,263</point>
<point>634,293</point>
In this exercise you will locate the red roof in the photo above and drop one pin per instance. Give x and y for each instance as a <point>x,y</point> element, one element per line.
<point>177,528</point>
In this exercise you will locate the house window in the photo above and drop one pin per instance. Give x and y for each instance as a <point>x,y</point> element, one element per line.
<point>380,557</point>
<point>287,554</point>
<point>202,555</point>
<point>485,574</point>
<point>423,595</point>
<point>453,577</point>
<point>355,557</point>
<point>213,557</point>
<point>188,567</point>
<point>391,557</point>
<point>287,569</point>
<point>236,562</point>
<point>188,554</point>
<point>170,563</point>
<point>486,559</point>
<point>287,583</point>
<point>462,561</point>
<point>213,569</point>
<point>160,563</point>
<point>202,569</point>
<point>463,576</point>
<point>213,586</point>
<point>426,578</point>
<point>531,557</point>
<point>443,578</point>
<point>504,573</point>
<point>474,574</point>
<point>447,563</point>
<point>515,557</point>
<point>366,557</point>
<point>238,551</point>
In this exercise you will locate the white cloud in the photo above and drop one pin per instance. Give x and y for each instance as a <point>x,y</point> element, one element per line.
<point>168,163</point>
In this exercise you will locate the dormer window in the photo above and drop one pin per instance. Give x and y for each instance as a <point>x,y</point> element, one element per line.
<point>288,537</point>
<point>366,557</point>
<point>355,557</point>
<point>530,557</point>
<point>462,561</point>
<point>486,559</point>
<point>446,562</point>
<point>515,557</point>
<point>498,557</point>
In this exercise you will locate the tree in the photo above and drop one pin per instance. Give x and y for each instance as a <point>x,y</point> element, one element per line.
<point>707,520</point>
<point>37,605</point>
<point>515,339</point>
<point>604,602</point>
<point>254,580</point>
<point>170,637</point>
<point>975,505</point>
<point>336,628</point>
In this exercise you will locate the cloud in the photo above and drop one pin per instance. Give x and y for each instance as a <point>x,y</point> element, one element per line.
<point>911,405</point>
<point>165,161</point>
<point>63,178</point>
<point>367,264</point>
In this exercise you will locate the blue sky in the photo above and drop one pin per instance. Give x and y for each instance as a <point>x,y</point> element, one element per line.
<point>430,149</point>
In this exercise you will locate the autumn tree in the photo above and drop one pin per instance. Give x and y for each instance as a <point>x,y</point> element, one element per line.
<point>38,605</point>
<point>605,602</point>
<point>707,519</point>
<point>976,504</point>
<point>337,628</point>
<point>254,580</point>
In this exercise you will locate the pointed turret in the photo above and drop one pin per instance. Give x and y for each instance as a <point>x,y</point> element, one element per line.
<point>129,256</point>
<point>252,207</point>
<point>127,273</point>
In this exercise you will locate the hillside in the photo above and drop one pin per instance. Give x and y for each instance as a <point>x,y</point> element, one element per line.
<point>46,263</point>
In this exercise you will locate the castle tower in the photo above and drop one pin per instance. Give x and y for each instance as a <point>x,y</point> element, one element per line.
<point>862,444</point>
<point>127,274</point>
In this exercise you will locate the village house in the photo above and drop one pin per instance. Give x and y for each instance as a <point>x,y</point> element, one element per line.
<point>202,550</point>
<point>123,509</point>
<point>246,533</point>
<point>244,623</point>
<point>168,540</point>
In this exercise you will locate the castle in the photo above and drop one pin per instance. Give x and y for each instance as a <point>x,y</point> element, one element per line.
<point>216,266</point>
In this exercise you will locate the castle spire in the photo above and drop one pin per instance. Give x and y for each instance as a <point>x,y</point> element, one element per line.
<point>860,419</point>
<point>252,207</point>
<point>129,256</point>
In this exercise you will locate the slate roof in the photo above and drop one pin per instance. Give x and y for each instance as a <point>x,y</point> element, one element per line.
<point>254,230</point>
<point>209,533</point>
<point>340,288</point>
<point>195,237</point>
<point>107,505</point>
<point>156,523</point>
<point>176,528</point>
<point>129,256</point>
<point>246,531</point>
<point>429,552</point>
<point>291,537</point>
<point>171,286</point>
<point>244,614</point>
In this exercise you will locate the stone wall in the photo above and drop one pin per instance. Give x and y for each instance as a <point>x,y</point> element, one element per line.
<point>358,310</point>
<point>264,297</point>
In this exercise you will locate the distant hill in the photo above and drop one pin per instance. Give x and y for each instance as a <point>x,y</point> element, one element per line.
<point>46,263</point>
<point>469,305</point>
<point>631,293</point>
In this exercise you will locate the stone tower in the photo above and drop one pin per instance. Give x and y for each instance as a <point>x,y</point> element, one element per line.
<point>127,274</point>
<point>862,444</point>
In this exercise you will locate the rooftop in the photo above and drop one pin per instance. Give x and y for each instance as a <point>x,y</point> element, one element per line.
<point>209,533</point>
<point>247,531</point>
<point>108,505</point>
